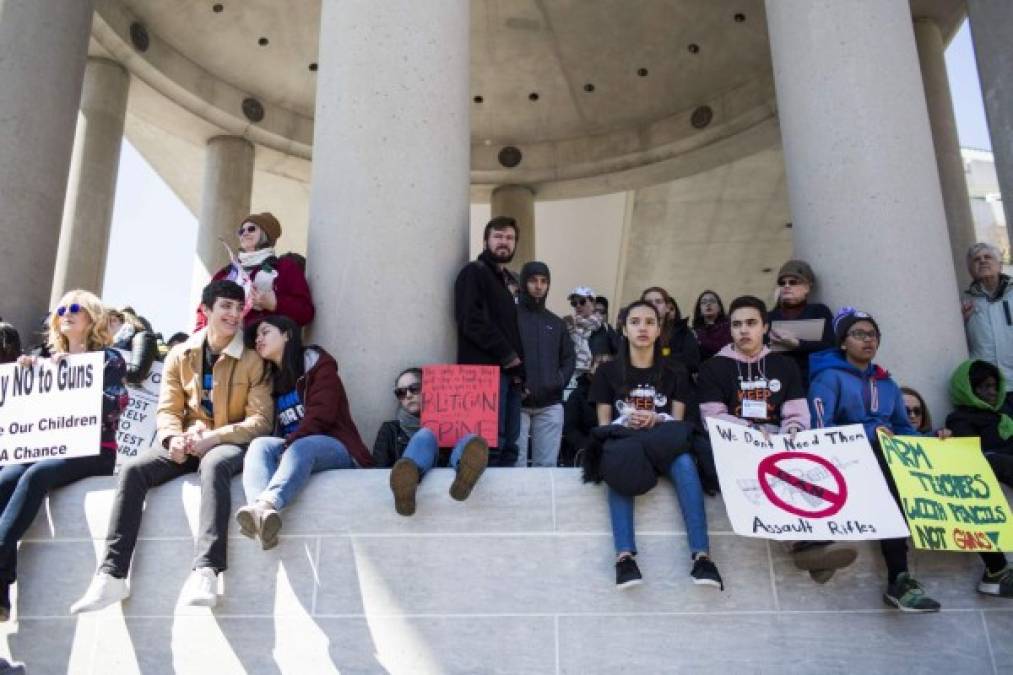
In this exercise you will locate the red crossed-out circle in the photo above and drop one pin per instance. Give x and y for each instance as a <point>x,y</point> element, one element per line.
<point>836,498</point>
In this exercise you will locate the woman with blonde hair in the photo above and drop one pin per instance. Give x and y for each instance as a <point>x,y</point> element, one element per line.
<point>78,324</point>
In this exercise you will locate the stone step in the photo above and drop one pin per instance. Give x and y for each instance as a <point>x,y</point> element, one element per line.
<point>518,579</point>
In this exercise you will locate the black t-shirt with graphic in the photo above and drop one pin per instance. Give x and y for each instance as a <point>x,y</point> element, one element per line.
<point>621,387</point>
<point>752,392</point>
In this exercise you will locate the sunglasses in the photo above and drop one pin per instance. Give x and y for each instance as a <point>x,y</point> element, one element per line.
<point>789,281</point>
<point>402,392</point>
<point>73,308</point>
<point>579,302</point>
<point>247,229</point>
<point>914,411</point>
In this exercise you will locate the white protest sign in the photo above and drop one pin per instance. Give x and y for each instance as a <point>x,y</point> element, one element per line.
<point>51,409</point>
<point>824,485</point>
<point>137,431</point>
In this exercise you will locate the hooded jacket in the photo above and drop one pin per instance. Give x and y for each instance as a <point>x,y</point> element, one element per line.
<point>990,326</point>
<point>840,393</point>
<point>682,345</point>
<point>973,417</point>
<point>486,315</point>
<point>549,357</point>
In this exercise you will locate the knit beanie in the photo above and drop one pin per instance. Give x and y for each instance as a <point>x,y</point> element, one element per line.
<point>848,317</point>
<point>268,224</point>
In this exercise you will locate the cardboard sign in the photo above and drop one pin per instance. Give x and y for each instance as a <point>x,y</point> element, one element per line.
<point>51,409</point>
<point>461,400</point>
<point>136,432</point>
<point>823,485</point>
<point>949,494</point>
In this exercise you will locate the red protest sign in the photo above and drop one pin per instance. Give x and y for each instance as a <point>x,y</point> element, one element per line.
<point>460,400</point>
<point>833,498</point>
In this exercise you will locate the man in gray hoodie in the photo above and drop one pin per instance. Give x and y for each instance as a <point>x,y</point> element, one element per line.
<point>548,365</point>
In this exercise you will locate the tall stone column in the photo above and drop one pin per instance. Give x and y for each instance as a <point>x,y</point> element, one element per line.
<point>517,202</point>
<point>931,56</point>
<point>225,201</point>
<point>43,47</point>
<point>389,201</point>
<point>862,179</point>
<point>91,189</point>
<point>991,27</point>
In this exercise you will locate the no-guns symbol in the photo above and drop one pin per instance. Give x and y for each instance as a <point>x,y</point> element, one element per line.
<point>834,497</point>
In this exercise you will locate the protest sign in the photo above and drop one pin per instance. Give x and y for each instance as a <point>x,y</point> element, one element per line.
<point>823,485</point>
<point>53,409</point>
<point>460,400</point>
<point>949,494</point>
<point>137,431</point>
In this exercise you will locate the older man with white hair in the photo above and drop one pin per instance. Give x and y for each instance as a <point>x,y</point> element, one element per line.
<point>988,312</point>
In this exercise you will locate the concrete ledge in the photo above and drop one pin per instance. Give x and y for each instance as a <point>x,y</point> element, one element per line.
<point>516,579</point>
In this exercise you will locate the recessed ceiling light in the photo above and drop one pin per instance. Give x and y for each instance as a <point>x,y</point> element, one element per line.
<point>589,87</point>
<point>313,67</point>
<point>533,96</point>
<point>642,72</point>
<point>477,99</point>
<point>217,7</point>
<point>263,42</point>
<point>740,17</point>
<point>693,48</point>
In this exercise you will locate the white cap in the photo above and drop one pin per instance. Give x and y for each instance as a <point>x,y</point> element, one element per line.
<point>583,292</point>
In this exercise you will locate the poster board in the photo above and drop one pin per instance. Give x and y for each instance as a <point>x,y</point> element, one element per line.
<point>137,430</point>
<point>458,400</point>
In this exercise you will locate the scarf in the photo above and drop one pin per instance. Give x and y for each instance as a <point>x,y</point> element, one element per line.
<point>961,393</point>
<point>409,423</point>
<point>255,258</point>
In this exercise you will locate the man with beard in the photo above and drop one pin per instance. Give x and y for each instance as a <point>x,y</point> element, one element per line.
<point>485,309</point>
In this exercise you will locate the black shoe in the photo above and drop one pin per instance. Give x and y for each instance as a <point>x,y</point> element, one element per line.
<point>5,602</point>
<point>999,584</point>
<point>627,573</point>
<point>907,595</point>
<point>705,573</point>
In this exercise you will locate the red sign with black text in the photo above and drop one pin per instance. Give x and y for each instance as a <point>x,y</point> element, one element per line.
<point>459,400</point>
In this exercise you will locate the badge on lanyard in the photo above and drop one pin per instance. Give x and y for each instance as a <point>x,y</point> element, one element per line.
<point>756,410</point>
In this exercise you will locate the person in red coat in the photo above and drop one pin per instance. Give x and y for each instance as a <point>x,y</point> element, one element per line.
<point>314,430</point>
<point>274,285</point>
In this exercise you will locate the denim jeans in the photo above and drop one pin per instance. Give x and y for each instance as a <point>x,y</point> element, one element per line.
<point>422,450</point>
<point>545,428</point>
<point>153,467</point>
<point>277,474</point>
<point>686,480</point>
<point>22,489</point>
<point>509,423</point>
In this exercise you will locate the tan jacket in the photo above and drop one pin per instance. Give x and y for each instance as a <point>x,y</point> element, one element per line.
<point>241,396</point>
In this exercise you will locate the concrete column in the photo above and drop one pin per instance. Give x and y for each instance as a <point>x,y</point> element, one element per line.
<point>991,27</point>
<point>225,201</point>
<point>43,47</point>
<point>518,202</point>
<point>862,179</point>
<point>91,189</point>
<point>950,164</point>
<point>389,201</point>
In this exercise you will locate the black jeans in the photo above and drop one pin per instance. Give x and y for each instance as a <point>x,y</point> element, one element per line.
<point>22,489</point>
<point>154,467</point>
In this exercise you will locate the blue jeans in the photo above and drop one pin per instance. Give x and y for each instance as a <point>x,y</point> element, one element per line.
<point>509,423</point>
<point>277,474</point>
<point>690,494</point>
<point>422,450</point>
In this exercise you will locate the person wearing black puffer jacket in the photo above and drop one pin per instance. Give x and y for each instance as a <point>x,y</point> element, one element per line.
<point>548,366</point>
<point>136,336</point>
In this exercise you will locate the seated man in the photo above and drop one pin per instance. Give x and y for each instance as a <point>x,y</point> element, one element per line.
<point>411,449</point>
<point>215,399</point>
<point>746,383</point>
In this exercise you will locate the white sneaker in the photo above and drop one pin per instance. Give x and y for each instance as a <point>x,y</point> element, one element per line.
<point>202,588</point>
<point>103,591</point>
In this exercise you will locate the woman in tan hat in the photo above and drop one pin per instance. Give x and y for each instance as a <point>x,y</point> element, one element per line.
<point>274,285</point>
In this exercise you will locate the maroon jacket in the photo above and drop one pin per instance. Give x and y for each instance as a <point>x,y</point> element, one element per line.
<point>712,338</point>
<point>291,289</point>
<point>326,408</point>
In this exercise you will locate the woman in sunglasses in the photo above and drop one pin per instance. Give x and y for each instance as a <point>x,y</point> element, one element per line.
<point>77,325</point>
<point>917,411</point>
<point>411,449</point>
<point>273,284</point>
<point>795,281</point>
<point>314,430</point>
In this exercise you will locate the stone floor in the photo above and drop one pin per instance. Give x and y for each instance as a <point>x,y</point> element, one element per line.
<point>518,579</point>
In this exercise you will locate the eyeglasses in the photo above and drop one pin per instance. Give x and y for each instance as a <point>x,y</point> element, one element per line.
<point>914,411</point>
<point>247,229</point>
<point>708,301</point>
<point>789,281</point>
<point>579,302</point>
<point>73,308</point>
<point>863,334</point>
<point>402,392</point>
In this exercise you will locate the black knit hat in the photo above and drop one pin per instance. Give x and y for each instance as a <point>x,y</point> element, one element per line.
<point>848,317</point>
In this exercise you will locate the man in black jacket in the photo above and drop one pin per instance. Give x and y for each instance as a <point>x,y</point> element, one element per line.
<point>485,309</point>
<point>549,361</point>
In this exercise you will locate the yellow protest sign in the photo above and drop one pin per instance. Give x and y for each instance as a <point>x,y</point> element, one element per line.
<point>949,495</point>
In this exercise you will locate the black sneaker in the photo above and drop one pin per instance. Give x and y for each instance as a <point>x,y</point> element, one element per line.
<point>907,595</point>
<point>1000,583</point>
<point>705,573</point>
<point>627,573</point>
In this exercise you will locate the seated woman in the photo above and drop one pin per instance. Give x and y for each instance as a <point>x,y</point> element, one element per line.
<point>917,412</point>
<point>77,325</point>
<point>10,343</point>
<point>710,323</point>
<point>648,438</point>
<point>975,392</point>
<point>846,387</point>
<point>134,334</point>
<point>411,449</point>
<point>314,430</point>
<point>277,285</point>
<point>678,341</point>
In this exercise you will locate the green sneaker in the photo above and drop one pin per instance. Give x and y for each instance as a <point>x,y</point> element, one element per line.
<point>1000,583</point>
<point>907,595</point>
